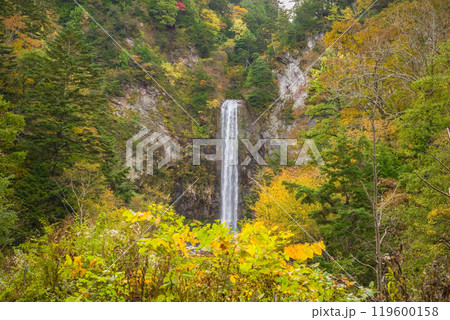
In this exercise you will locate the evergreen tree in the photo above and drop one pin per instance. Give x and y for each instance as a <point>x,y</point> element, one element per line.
<point>260,85</point>
<point>163,11</point>
<point>7,64</point>
<point>64,101</point>
<point>344,216</point>
<point>11,125</point>
<point>203,38</point>
<point>65,112</point>
<point>261,20</point>
<point>245,49</point>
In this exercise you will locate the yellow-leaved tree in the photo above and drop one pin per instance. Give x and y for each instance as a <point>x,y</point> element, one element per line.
<point>211,20</point>
<point>278,207</point>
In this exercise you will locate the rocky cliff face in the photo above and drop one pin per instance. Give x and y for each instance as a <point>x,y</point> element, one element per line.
<point>203,200</point>
<point>287,113</point>
<point>199,202</point>
<point>252,132</point>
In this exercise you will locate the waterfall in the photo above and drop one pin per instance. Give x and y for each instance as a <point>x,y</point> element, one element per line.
<point>229,175</point>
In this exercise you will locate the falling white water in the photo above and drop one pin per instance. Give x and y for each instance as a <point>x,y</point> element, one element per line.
<point>287,4</point>
<point>229,177</point>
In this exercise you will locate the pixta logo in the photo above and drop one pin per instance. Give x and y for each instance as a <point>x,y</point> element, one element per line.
<point>141,149</point>
<point>143,145</point>
<point>253,150</point>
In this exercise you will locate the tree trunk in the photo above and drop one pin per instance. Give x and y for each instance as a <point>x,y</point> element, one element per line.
<point>375,212</point>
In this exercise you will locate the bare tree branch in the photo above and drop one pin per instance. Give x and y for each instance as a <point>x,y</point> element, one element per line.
<point>447,168</point>
<point>362,263</point>
<point>390,198</point>
<point>367,193</point>
<point>433,187</point>
<point>384,234</point>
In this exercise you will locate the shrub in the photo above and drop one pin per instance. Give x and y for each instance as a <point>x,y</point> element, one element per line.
<point>172,261</point>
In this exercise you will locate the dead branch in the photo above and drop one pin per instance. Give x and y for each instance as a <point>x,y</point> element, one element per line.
<point>433,187</point>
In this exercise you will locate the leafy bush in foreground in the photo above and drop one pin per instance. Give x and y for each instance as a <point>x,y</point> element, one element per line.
<point>172,261</point>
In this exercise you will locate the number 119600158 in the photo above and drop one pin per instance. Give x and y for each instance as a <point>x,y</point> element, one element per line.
<point>383,311</point>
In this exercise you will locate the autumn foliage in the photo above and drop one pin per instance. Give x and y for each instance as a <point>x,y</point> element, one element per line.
<point>172,261</point>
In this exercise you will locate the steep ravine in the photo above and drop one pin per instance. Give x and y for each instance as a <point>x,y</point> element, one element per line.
<point>203,200</point>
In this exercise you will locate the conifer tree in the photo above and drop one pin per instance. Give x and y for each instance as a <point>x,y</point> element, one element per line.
<point>261,88</point>
<point>7,63</point>
<point>11,125</point>
<point>65,112</point>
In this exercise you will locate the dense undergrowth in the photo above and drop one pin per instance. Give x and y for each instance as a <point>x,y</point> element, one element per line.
<point>155,256</point>
<point>376,107</point>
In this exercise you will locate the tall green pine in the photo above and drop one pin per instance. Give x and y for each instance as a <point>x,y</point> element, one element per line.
<point>66,114</point>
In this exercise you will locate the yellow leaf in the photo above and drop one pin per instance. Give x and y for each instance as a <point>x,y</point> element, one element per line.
<point>316,248</point>
<point>349,283</point>
<point>321,244</point>
<point>296,252</point>
<point>77,260</point>
<point>305,251</point>
<point>308,251</point>
<point>68,260</point>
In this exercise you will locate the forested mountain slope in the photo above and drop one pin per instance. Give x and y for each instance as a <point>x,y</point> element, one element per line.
<point>367,82</point>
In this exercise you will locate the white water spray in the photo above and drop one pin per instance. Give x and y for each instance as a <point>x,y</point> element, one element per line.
<point>229,175</point>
